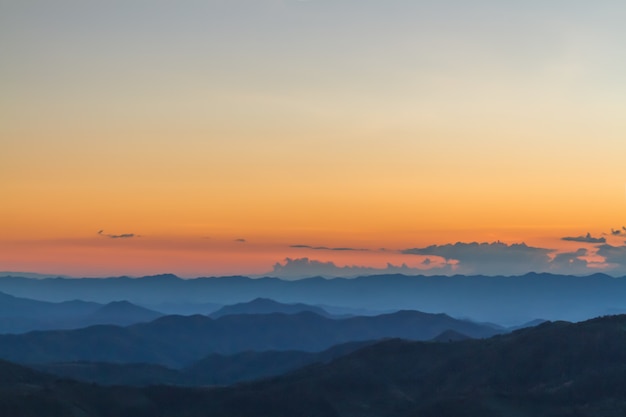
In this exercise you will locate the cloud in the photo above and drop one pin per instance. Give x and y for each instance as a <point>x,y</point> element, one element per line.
<point>571,262</point>
<point>306,268</point>
<point>474,258</point>
<point>241,240</point>
<point>616,232</point>
<point>613,254</point>
<point>327,248</point>
<point>495,258</point>
<point>584,239</point>
<point>121,236</point>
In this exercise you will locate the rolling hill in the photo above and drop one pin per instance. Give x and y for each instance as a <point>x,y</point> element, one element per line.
<point>555,369</point>
<point>20,315</point>
<point>177,341</point>
<point>267,306</point>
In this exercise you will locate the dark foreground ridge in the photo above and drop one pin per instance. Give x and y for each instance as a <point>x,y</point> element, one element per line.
<point>555,369</point>
<point>215,369</point>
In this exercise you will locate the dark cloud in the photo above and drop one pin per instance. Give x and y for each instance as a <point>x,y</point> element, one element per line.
<point>121,236</point>
<point>585,239</point>
<point>495,258</point>
<point>305,268</point>
<point>571,262</point>
<point>327,248</point>
<point>241,240</point>
<point>613,254</point>
<point>616,232</point>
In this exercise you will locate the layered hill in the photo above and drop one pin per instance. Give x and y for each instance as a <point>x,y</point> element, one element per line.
<point>20,315</point>
<point>555,369</point>
<point>268,306</point>
<point>215,369</point>
<point>178,341</point>
<point>504,300</point>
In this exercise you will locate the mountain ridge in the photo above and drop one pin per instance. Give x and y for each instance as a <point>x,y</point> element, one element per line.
<point>554,369</point>
<point>508,301</point>
<point>177,341</point>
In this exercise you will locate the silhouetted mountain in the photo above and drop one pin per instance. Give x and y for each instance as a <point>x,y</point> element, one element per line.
<point>215,369</point>
<point>178,341</point>
<point>267,306</point>
<point>450,336</point>
<point>33,275</point>
<point>222,370</point>
<point>106,373</point>
<point>504,300</point>
<point>121,313</point>
<point>11,306</point>
<point>20,315</point>
<point>555,369</point>
<point>531,323</point>
<point>12,375</point>
<point>185,309</point>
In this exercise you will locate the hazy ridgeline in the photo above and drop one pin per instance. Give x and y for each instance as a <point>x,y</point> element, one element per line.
<point>326,348</point>
<point>503,300</point>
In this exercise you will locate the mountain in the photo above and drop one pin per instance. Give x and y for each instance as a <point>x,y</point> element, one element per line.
<point>554,369</point>
<point>532,323</point>
<point>505,300</point>
<point>267,306</point>
<point>177,341</point>
<point>121,313</point>
<point>33,275</point>
<point>11,306</point>
<point>219,369</point>
<point>184,308</point>
<point>20,315</point>
<point>12,375</point>
<point>215,369</point>
<point>450,336</point>
<point>106,373</point>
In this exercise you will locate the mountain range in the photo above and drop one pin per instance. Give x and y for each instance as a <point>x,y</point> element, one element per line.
<point>20,315</point>
<point>178,341</point>
<point>268,306</point>
<point>215,369</point>
<point>554,369</point>
<point>504,300</point>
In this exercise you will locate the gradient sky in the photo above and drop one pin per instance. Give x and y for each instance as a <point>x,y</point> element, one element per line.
<point>364,124</point>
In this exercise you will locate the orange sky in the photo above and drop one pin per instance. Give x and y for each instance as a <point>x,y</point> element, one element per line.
<point>282,122</point>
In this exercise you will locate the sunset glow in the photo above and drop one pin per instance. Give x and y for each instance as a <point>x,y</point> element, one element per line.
<point>211,139</point>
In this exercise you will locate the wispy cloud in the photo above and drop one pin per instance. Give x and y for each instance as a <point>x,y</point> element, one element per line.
<point>340,249</point>
<point>120,236</point>
<point>240,240</point>
<point>584,239</point>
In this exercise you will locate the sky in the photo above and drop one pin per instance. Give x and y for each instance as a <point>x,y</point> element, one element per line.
<point>298,137</point>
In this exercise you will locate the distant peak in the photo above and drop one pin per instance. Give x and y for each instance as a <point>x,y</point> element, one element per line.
<point>161,277</point>
<point>120,303</point>
<point>261,300</point>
